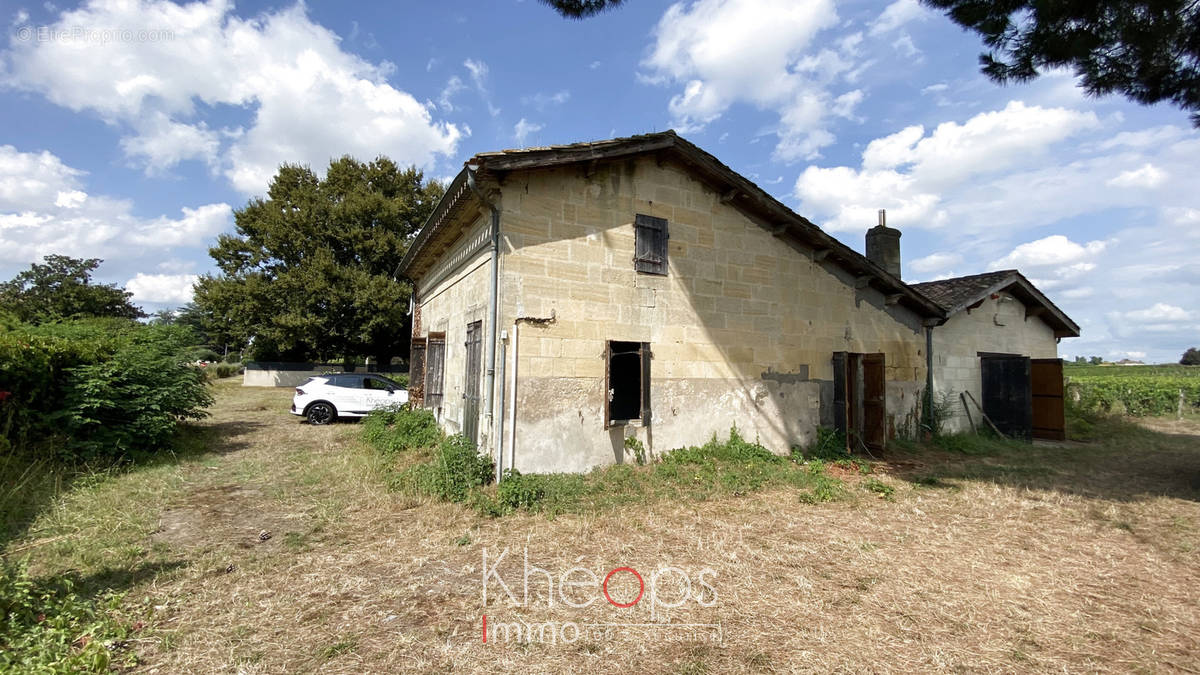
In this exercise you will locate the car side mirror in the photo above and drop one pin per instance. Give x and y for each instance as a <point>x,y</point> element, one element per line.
<point>391,390</point>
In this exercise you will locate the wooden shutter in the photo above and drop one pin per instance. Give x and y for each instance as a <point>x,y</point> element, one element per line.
<point>416,372</point>
<point>650,244</point>
<point>646,383</point>
<point>839,391</point>
<point>435,360</point>
<point>607,384</point>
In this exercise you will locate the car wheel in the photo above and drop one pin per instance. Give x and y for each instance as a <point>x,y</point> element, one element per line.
<point>321,413</point>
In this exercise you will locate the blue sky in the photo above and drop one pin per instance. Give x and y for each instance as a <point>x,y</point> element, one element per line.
<point>131,131</point>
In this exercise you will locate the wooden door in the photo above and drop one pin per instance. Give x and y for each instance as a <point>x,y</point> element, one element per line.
<point>474,344</point>
<point>874,405</point>
<point>841,420</point>
<point>1007,399</point>
<point>1049,413</point>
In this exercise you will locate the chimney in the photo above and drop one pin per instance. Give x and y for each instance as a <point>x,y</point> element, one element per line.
<point>883,246</point>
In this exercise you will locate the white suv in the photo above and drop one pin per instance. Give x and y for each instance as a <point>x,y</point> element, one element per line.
<point>325,398</point>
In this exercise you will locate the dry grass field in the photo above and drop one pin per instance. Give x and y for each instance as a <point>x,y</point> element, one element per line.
<point>280,549</point>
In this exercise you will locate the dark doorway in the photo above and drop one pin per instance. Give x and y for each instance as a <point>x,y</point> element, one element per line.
<point>474,343</point>
<point>1007,396</point>
<point>859,400</point>
<point>628,382</point>
<point>1049,413</point>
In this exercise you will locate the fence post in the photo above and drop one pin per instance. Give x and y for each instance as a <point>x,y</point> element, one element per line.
<point>1180,409</point>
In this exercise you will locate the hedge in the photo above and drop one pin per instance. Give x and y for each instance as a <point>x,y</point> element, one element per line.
<point>105,387</point>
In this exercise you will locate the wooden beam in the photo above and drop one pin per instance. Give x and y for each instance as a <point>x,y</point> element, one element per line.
<point>863,281</point>
<point>1034,311</point>
<point>729,196</point>
<point>779,230</point>
<point>820,254</point>
<point>893,298</point>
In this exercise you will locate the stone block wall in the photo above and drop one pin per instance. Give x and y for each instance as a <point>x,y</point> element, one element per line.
<point>742,328</point>
<point>997,326</point>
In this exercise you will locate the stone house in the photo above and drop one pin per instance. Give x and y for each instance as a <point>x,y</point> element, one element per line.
<point>568,298</point>
<point>999,346</point>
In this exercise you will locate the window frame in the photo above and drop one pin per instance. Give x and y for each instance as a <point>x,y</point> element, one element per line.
<point>645,355</point>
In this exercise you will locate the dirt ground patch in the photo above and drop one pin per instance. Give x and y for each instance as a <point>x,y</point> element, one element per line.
<point>1077,558</point>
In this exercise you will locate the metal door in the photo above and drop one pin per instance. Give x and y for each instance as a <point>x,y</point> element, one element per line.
<point>474,344</point>
<point>1007,399</point>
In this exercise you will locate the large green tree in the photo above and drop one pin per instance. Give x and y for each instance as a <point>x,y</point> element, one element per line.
<point>61,288</point>
<point>1147,50</point>
<point>309,273</point>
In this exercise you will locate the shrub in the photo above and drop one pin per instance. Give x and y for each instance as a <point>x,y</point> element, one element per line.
<point>520,492</point>
<point>455,470</point>
<point>829,444</point>
<point>110,388</point>
<point>400,428</point>
<point>132,401</point>
<point>638,449</point>
<point>941,410</point>
<point>202,354</point>
<point>223,370</point>
<point>736,449</point>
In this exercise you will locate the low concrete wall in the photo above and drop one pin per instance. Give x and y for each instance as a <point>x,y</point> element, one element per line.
<point>294,374</point>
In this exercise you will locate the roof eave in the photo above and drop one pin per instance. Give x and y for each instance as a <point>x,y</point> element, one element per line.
<point>455,192</point>
<point>1066,326</point>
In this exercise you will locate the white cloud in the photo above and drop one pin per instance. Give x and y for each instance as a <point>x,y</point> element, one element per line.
<point>1120,354</point>
<point>453,86</point>
<point>310,100</point>
<point>44,209</point>
<point>70,199</point>
<point>161,143</point>
<point>905,45</point>
<point>542,100</point>
<point>1160,312</point>
<point>1055,250</point>
<point>1027,186</point>
<point>162,289</point>
<point>479,74</point>
<point>911,171</point>
<point>523,128</point>
<point>935,262</point>
<point>1146,176</point>
<point>478,70</point>
<point>761,52</point>
<point>896,15</point>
